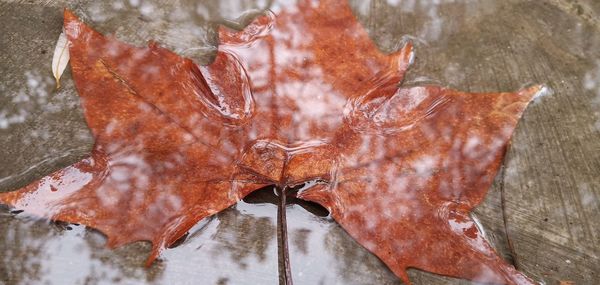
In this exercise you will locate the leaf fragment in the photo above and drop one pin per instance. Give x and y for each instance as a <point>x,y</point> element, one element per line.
<point>61,57</point>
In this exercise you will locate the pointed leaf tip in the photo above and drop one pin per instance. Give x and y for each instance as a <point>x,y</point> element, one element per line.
<point>538,90</point>
<point>68,16</point>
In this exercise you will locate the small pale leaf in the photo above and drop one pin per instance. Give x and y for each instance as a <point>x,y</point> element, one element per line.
<point>60,58</point>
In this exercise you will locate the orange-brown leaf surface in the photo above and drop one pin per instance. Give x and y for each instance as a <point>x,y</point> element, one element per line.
<point>298,96</point>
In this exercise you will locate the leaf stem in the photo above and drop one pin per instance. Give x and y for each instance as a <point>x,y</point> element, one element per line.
<point>285,273</point>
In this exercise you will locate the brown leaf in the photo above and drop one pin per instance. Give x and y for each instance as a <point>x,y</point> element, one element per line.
<point>301,96</point>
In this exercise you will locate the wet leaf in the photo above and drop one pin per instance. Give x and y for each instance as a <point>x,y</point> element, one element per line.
<point>298,97</point>
<point>60,59</point>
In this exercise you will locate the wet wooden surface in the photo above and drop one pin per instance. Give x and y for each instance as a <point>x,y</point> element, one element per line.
<point>542,213</point>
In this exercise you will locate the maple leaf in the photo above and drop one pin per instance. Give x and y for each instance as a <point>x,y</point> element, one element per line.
<point>303,96</point>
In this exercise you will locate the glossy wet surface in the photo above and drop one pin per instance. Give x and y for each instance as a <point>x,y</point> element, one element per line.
<point>550,186</point>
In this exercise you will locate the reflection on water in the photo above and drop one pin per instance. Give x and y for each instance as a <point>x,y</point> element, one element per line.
<point>319,245</point>
<point>216,251</point>
<point>292,85</point>
<point>234,247</point>
<point>36,252</point>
